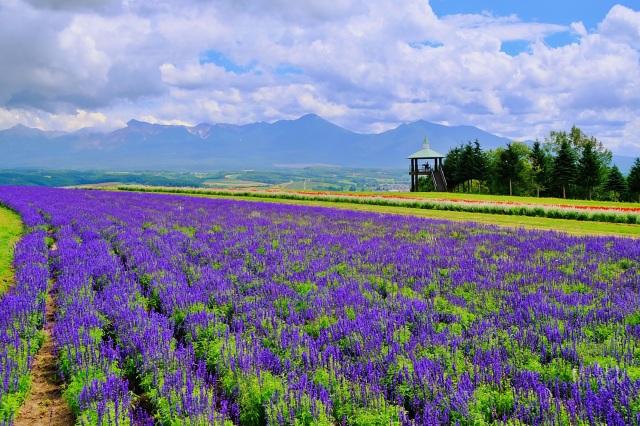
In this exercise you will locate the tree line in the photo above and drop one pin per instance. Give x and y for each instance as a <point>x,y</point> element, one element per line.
<point>565,165</point>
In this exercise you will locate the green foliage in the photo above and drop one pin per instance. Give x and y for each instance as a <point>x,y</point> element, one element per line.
<point>77,383</point>
<point>301,412</point>
<point>564,165</point>
<point>10,403</point>
<point>633,180</point>
<point>615,182</point>
<point>510,166</point>
<point>490,404</point>
<point>600,332</point>
<point>321,322</point>
<point>466,163</point>
<point>77,177</point>
<point>579,140</point>
<point>561,369</point>
<point>254,393</point>
<point>376,412</point>
<point>589,168</point>
<point>189,231</point>
<point>349,312</point>
<point>10,231</point>
<point>442,305</point>
<point>612,270</point>
<point>633,319</point>
<point>425,184</point>
<point>539,167</point>
<point>90,417</point>
<point>452,165</point>
<point>153,302</point>
<point>383,416</point>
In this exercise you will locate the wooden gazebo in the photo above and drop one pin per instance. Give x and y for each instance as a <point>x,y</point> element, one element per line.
<point>431,168</point>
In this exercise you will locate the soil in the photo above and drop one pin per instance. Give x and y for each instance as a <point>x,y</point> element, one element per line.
<point>44,404</point>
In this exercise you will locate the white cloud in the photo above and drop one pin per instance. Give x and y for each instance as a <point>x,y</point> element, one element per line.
<point>579,28</point>
<point>154,120</point>
<point>622,25</point>
<point>65,122</point>
<point>84,119</point>
<point>364,65</point>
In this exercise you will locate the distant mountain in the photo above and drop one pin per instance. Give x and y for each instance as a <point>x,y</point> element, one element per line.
<point>623,163</point>
<point>307,140</point>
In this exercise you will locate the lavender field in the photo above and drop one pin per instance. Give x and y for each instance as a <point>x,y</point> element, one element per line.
<point>178,310</point>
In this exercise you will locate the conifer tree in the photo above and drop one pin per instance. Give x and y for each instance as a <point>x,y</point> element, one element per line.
<point>564,165</point>
<point>466,165</point>
<point>509,166</point>
<point>539,167</point>
<point>633,180</point>
<point>451,168</point>
<point>615,182</point>
<point>589,167</point>
<point>480,164</point>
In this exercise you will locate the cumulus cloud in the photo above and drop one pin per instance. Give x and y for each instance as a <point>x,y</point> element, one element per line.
<point>622,25</point>
<point>365,65</point>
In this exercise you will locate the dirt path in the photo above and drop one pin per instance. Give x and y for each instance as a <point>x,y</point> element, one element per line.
<point>44,404</point>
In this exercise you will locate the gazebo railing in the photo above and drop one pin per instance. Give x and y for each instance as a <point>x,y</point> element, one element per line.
<point>444,179</point>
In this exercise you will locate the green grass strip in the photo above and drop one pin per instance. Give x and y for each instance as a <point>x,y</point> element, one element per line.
<point>10,232</point>
<point>516,199</point>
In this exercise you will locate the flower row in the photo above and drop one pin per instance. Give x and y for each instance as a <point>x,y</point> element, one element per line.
<point>190,311</point>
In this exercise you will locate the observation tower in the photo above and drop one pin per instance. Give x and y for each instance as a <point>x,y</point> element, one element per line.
<point>431,168</point>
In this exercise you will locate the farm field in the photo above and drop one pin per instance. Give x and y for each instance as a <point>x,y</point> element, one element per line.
<point>512,199</point>
<point>193,310</point>
<point>602,218</point>
<point>443,196</point>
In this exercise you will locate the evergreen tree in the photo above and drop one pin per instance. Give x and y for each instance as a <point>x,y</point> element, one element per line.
<point>480,164</point>
<point>615,182</point>
<point>564,165</point>
<point>577,141</point>
<point>633,180</point>
<point>539,167</point>
<point>509,167</point>
<point>589,167</point>
<point>452,168</point>
<point>466,168</point>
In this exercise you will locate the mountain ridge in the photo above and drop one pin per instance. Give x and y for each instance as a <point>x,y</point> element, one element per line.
<point>309,139</point>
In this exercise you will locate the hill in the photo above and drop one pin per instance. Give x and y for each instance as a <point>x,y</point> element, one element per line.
<point>308,140</point>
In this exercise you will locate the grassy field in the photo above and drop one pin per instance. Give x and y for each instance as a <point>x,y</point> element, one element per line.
<point>500,199</point>
<point>10,231</point>
<point>231,181</point>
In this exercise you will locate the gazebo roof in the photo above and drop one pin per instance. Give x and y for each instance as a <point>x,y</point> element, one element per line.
<point>426,152</point>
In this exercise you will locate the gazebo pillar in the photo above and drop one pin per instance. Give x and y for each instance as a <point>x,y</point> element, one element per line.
<point>415,176</point>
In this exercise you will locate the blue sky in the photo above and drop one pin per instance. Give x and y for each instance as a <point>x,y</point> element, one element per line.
<point>518,69</point>
<point>563,12</point>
